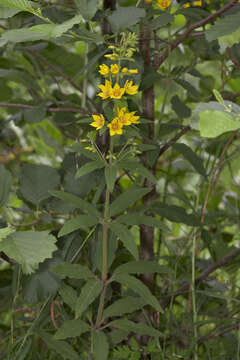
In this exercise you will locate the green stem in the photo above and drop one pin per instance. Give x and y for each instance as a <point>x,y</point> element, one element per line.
<point>85,80</point>
<point>194,298</point>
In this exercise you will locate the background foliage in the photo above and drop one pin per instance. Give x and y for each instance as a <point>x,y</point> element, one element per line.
<point>163,282</point>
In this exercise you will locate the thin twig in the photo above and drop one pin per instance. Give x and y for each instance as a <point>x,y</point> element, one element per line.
<point>174,140</point>
<point>50,109</point>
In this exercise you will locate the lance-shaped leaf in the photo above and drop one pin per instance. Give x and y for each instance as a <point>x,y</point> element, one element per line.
<point>137,328</point>
<point>77,202</point>
<point>138,287</point>
<point>110,176</point>
<point>68,295</point>
<point>5,184</point>
<point>89,167</point>
<point>89,293</point>
<point>141,267</point>
<point>29,248</point>
<point>74,271</point>
<point>138,168</point>
<point>139,219</point>
<point>100,345</point>
<point>126,237</point>
<point>175,213</point>
<point>63,348</point>
<point>123,306</point>
<point>215,123</point>
<point>79,222</point>
<point>127,199</point>
<point>71,328</point>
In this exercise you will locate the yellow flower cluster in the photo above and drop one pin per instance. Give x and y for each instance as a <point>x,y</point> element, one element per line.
<point>194,3</point>
<point>162,4</point>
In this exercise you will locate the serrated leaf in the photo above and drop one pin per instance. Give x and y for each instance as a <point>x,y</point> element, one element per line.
<point>137,328</point>
<point>192,157</point>
<point>87,8</point>
<point>61,347</point>
<point>138,287</point>
<point>36,181</point>
<point>141,267</point>
<point>123,306</point>
<point>5,185</point>
<point>4,232</point>
<point>215,123</point>
<point>89,167</point>
<point>225,26</point>
<point>77,202</point>
<point>126,237</point>
<point>124,17</point>
<point>140,219</point>
<point>79,222</point>
<point>74,271</point>
<point>68,295</point>
<point>72,328</point>
<point>29,248</point>
<point>100,345</point>
<point>126,199</point>
<point>110,176</point>
<point>89,293</point>
<point>175,213</point>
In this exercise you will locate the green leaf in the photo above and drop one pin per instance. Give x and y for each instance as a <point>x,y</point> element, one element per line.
<point>76,147</point>
<point>137,328</point>
<point>182,110</point>
<point>124,17</point>
<point>74,271</point>
<point>79,222</point>
<point>123,306</point>
<point>215,123</point>
<point>100,345</point>
<point>110,176</point>
<point>6,13</point>
<point>89,293</point>
<point>35,115</point>
<point>4,232</point>
<point>61,347</point>
<point>126,199</point>
<point>36,181</point>
<point>77,202</point>
<point>29,248</point>
<point>192,92</point>
<point>175,213</point>
<point>89,167</point>
<point>126,237</point>
<point>5,185</point>
<point>161,20</point>
<point>17,4</point>
<point>71,328</point>
<point>225,26</point>
<point>192,157</point>
<point>138,287</point>
<point>136,167</point>
<point>68,295</point>
<point>140,219</point>
<point>141,267</point>
<point>87,8</point>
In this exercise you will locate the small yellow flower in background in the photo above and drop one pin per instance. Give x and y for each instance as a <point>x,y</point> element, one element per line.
<point>106,90</point>
<point>115,69</point>
<point>187,5</point>
<point>98,122</point>
<point>148,1</point>
<point>163,4</point>
<point>133,71</point>
<point>115,127</point>
<point>134,119</point>
<point>197,3</point>
<point>111,56</point>
<point>125,70</point>
<point>117,92</point>
<point>104,70</point>
<point>123,117</point>
<point>130,89</point>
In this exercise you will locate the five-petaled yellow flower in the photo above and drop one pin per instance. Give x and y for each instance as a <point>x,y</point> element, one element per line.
<point>163,4</point>
<point>115,127</point>
<point>104,70</point>
<point>123,117</point>
<point>130,89</point>
<point>114,69</point>
<point>117,92</point>
<point>98,122</point>
<point>106,90</point>
<point>132,118</point>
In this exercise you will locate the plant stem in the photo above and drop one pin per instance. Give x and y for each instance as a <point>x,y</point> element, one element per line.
<point>193,294</point>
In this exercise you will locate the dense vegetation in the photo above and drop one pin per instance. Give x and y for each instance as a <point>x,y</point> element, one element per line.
<point>119,179</point>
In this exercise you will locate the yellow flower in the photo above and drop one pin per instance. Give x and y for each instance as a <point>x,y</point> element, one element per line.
<point>104,70</point>
<point>163,4</point>
<point>133,71</point>
<point>125,70</point>
<point>111,56</point>
<point>98,122</point>
<point>123,117</point>
<point>106,90</point>
<point>187,5</point>
<point>130,89</point>
<point>115,69</point>
<point>117,92</point>
<point>132,118</point>
<point>148,1</point>
<point>197,3</point>
<point>115,127</point>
